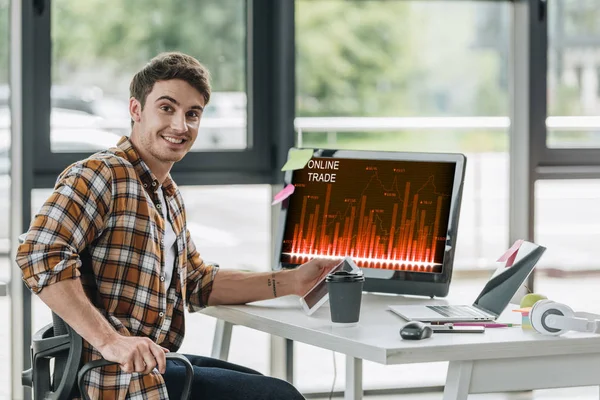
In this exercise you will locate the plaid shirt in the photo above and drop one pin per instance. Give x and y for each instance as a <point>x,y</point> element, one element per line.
<point>102,224</point>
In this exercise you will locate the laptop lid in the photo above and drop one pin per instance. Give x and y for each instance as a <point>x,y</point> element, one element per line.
<point>506,281</point>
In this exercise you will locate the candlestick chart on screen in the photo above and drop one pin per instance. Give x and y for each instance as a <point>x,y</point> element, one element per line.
<point>383,213</point>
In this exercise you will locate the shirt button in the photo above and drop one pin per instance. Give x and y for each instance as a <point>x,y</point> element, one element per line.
<point>145,185</point>
<point>162,278</point>
<point>154,183</point>
<point>161,314</point>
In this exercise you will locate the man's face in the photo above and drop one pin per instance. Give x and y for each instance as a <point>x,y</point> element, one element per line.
<point>168,125</point>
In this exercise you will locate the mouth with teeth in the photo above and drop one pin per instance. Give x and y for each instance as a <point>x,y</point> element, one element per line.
<point>175,141</point>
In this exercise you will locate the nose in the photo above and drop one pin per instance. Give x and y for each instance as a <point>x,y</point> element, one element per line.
<point>178,123</point>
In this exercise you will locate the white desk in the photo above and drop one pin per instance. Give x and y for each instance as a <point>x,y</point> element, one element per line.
<point>501,359</point>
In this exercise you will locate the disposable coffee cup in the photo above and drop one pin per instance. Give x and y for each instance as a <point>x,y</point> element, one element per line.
<point>345,294</point>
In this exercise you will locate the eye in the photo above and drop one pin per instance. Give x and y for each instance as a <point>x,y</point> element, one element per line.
<point>166,108</point>
<point>193,114</point>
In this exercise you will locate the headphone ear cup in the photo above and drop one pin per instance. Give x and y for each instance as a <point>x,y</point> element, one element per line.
<point>542,309</point>
<point>535,316</point>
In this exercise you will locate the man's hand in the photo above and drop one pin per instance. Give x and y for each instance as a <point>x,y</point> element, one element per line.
<point>135,354</point>
<point>308,274</point>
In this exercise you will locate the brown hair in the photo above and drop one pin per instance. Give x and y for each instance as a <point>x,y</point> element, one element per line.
<point>167,66</point>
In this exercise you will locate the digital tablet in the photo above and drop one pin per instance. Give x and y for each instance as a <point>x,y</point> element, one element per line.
<point>318,295</point>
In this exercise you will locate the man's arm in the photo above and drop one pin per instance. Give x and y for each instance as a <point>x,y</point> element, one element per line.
<point>237,287</point>
<point>208,285</point>
<point>134,354</point>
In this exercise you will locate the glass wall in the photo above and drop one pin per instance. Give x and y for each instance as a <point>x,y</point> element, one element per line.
<point>573,74</point>
<point>393,69</point>
<point>97,47</point>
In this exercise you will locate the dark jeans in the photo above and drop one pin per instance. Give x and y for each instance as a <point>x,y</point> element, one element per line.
<point>215,379</point>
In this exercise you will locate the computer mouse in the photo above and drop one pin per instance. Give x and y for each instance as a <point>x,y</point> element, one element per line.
<point>415,330</point>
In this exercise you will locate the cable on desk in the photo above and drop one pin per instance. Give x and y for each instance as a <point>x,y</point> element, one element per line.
<point>334,375</point>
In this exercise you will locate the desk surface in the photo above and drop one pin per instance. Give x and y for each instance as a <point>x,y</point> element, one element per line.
<point>376,337</point>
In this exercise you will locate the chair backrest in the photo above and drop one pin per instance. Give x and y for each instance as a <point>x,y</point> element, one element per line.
<point>59,342</point>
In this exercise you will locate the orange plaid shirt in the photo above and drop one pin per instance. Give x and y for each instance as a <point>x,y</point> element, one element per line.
<point>101,224</point>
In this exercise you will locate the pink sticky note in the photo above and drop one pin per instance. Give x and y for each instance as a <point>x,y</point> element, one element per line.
<point>511,260</point>
<point>284,194</point>
<point>511,253</point>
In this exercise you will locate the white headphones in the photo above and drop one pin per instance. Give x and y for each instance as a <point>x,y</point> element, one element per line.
<point>550,318</point>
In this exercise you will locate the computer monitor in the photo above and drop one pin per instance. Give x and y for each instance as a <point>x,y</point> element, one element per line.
<point>396,214</point>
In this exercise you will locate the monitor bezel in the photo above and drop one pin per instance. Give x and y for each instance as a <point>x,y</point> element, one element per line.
<point>414,283</point>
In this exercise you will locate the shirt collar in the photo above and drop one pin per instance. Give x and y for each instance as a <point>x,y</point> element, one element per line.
<point>146,176</point>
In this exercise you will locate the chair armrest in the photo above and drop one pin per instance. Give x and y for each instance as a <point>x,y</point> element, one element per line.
<point>187,387</point>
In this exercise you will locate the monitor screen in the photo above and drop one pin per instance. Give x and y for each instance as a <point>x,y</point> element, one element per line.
<point>389,214</point>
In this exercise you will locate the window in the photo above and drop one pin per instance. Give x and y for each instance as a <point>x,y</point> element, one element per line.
<point>565,223</point>
<point>400,60</point>
<point>98,48</point>
<point>573,80</point>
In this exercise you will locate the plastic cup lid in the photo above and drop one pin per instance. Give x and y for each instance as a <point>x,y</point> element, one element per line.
<point>345,276</point>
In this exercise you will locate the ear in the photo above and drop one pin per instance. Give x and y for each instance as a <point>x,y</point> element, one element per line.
<point>135,109</point>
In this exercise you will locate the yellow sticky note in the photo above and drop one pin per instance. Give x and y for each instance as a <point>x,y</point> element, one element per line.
<point>297,159</point>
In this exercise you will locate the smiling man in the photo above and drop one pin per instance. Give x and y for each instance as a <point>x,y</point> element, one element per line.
<point>110,253</point>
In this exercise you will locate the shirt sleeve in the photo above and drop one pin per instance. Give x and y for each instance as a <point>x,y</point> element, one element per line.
<point>200,277</point>
<point>71,218</point>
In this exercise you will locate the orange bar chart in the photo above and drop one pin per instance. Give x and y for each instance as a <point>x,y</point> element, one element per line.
<point>381,216</point>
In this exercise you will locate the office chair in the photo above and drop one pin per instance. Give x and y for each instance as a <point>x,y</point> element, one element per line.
<point>59,342</point>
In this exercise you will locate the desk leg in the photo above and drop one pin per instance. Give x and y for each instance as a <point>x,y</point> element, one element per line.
<point>289,361</point>
<point>354,389</point>
<point>221,340</point>
<point>458,380</point>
